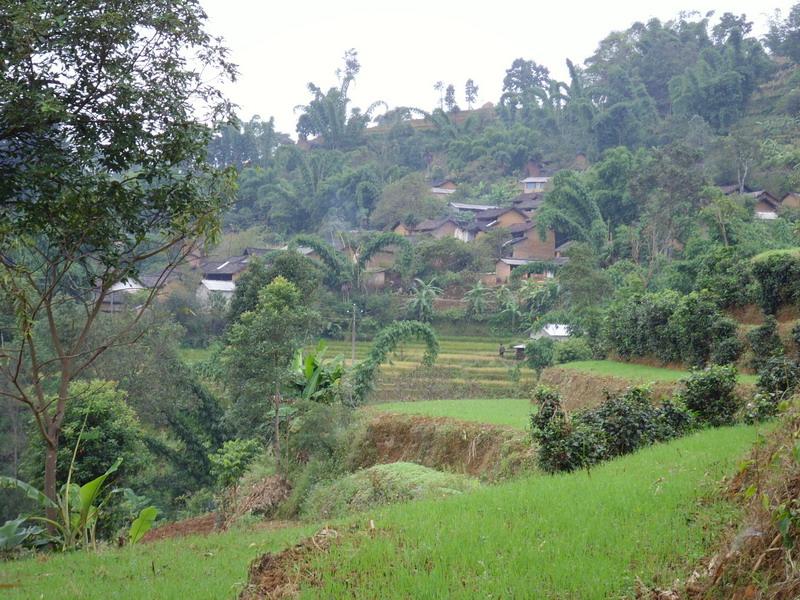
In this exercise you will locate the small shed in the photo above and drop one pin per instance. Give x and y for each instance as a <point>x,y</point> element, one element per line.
<point>554,331</point>
<point>519,352</point>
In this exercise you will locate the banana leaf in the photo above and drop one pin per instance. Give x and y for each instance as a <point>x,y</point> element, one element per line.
<point>142,524</point>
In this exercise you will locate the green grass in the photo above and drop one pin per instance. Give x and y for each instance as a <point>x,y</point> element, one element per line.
<point>635,372</point>
<point>569,536</point>
<point>200,568</point>
<point>512,412</point>
<point>194,355</point>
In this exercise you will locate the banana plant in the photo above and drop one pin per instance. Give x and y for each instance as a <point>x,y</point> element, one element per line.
<point>77,507</point>
<point>13,534</point>
<point>142,524</point>
<point>315,379</point>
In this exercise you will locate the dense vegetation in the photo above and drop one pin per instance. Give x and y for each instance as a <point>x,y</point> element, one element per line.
<point>662,151</point>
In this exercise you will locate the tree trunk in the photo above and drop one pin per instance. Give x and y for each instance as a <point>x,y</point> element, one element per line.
<point>277,436</point>
<point>50,468</point>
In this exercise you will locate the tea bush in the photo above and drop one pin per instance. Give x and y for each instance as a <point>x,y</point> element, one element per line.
<point>710,395</point>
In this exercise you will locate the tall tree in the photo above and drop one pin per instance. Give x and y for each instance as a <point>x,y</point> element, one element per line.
<point>525,75</point>
<point>326,115</point>
<point>439,87</point>
<point>470,93</point>
<point>784,35</point>
<point>450,98</point>
<point>102,171</point>
<point>263,344</point>
<point>571,210</point>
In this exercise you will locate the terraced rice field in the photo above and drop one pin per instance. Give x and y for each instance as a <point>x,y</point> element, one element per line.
<point>634,372</point>
<point>509,412</point>
<point>465,368</point>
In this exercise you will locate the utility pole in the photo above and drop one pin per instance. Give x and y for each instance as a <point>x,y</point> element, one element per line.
<point>353,338</point>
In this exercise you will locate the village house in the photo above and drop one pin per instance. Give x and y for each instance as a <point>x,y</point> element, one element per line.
<point>534,184</point>
<point>445,227</point>
<point>528,203</point>
<point>125,295</point>
<point>444,187</point>
<point>531,246</point>
<point>497,217</point>
<point>505,266</point>
<point>219,277</point>
<point>767,205</point>
<point>472,208</point>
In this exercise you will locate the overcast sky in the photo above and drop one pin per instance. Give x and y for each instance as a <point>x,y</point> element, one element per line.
<point>405,47</point>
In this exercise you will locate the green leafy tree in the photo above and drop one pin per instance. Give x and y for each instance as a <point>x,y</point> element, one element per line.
<point>582,280</point>
<point>103,169</point>
<point>407,200</point>
<point>262,346</point>
<point>290,264</point>
<point>109,430</point>
<point>783,37</point>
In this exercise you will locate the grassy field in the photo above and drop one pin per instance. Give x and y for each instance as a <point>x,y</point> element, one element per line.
<point>634,372</point>
<point>570,536</point>
<point>512,412</point>
<point>196,567</point>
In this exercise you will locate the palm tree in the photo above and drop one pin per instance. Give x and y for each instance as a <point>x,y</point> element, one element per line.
<point>421,303</point>
<point>326,114</point>
<point>477,301</point>
<point>346,270</point>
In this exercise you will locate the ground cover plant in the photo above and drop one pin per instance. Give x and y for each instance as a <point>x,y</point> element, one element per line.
<point>647,514</point>
<point>511,412</point>
<point>202,567</point>
<point>641,515</point>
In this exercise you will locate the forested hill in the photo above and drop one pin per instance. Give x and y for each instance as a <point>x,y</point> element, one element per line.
<point>660,111</point>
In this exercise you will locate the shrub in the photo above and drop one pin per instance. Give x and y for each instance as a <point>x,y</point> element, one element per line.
<point>727,350</point>
<point>671,327</point>
<point>571,350</point>
<point>709,394</point>
<point>779,376</point>
<point>564,445</point>
<point>699,329</point>
<point>627,421</point>
<point>761,407</point>
<point>230,462</point>
<point>672,420</point>
<point>539,353</point>
<point>720,272</point>
<point>765,342</point>
<point>778,276</point>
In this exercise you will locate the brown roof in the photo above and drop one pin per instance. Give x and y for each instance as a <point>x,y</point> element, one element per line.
<point>431,224</point>
<point>492,215</point>
<point>520,227</point>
